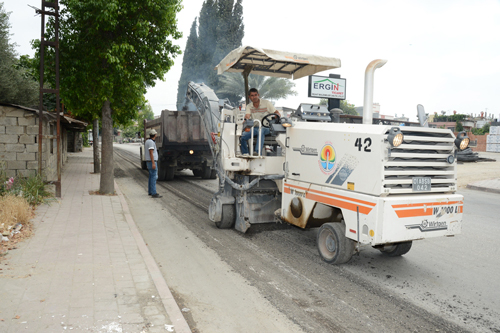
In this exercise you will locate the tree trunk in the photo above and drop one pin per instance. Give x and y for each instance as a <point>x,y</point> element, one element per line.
<point>107,185</point>
<point>95,134</point>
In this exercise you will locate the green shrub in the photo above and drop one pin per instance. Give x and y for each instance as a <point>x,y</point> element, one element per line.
<point>31,188</point>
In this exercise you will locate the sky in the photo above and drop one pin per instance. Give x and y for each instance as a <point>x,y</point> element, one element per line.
<point>443,54</point>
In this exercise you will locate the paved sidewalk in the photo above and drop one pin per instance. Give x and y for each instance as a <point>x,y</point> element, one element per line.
<point>490,185</point>
<point>86,269</point>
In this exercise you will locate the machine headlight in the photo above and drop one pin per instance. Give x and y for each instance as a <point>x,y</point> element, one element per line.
<point>462,141</point>
<point>395,137</point>
<point>286,122</point>
<point>191,152</point>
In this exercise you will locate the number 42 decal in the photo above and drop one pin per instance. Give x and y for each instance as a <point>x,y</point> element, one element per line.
<point>367,143</point>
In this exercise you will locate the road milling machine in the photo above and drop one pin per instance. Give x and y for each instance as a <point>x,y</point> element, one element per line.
<point>360,184</point>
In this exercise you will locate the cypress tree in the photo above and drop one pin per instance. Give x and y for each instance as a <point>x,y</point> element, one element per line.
<point>207,33</point>
<point>220,31</point>
<point>190,64</point>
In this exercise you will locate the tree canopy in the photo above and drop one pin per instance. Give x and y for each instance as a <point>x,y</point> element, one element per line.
<point>345,106</point>
<point>16,84</point>
<point>272,88</point>
<point>220,30</point>
<point>110,52</point>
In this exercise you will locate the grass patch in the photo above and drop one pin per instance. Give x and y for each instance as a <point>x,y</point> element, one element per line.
<point>13,210</point>
<point>18,198</point>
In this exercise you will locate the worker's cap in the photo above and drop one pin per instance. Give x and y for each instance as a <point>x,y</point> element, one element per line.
<point>152,132</point>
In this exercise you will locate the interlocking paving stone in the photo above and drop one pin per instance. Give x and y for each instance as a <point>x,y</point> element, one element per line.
<point>87,272</point>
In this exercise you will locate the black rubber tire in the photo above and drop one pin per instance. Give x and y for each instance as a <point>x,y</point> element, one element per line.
<point>206,171</point>
<point>228,217</point>
<point>333,246</point>
<point>144,165</point>
<point>197,173</point>
<point>162,170</point>
<point>165,172</point>
<point>169,173</point>
<point>397,250</point>
<point>213,174</point>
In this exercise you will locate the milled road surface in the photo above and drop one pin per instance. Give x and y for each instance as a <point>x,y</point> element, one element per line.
<point>446,284</point>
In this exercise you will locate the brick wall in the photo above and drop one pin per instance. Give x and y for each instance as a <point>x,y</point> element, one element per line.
<point>19,144</point>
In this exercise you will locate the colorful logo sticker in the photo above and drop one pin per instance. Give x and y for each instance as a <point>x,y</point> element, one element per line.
<point>327,159</point>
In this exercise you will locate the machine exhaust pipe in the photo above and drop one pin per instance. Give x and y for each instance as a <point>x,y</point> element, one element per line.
<point>368,99</point>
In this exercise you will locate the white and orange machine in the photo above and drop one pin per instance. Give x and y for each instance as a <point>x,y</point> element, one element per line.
<point>373,184</point>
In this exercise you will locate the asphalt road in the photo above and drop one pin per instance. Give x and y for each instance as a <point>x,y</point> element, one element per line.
<point>446,284</point>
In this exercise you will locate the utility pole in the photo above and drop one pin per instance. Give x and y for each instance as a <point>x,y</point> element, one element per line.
<point>54,6</point>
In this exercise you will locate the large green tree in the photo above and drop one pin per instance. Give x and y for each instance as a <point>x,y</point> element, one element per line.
<point>111,50</point>
<point>220,30</point>
<point>16,85</point>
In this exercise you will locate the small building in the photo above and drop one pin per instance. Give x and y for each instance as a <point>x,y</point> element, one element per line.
<point>19,131</point>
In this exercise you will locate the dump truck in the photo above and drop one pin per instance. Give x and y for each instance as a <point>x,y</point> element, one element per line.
<point>366,184</point>
<point>182,144</point>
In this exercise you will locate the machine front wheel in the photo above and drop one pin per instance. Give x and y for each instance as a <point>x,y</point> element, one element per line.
<point>396,250</point>
<point>228,217</point>
<point>333,246</point>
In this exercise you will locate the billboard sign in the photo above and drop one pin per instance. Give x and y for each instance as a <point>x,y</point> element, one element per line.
<point>326,87</point>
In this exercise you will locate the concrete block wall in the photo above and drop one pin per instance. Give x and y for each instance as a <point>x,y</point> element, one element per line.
<point>19,144</point>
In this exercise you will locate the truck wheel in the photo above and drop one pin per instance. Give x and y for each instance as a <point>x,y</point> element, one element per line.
<point>206,172</point>
<point>169,172</point>
<point>228,217</point>
<point>333,246</point>
<point>165,172</point>
<point>213,174</point>
<point>197,172</point>
<point>144,166</point>
<point>396,250</point>
<point>162,170</point>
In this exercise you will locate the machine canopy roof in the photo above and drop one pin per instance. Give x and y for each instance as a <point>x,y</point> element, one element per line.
<point>275,63</point>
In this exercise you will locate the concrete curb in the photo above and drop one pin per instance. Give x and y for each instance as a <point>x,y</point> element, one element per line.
<point>171,307</point>
<point>482,188</point>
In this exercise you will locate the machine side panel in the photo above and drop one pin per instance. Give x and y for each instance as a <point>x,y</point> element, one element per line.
<point>341,156</point>
<point>377,220</point>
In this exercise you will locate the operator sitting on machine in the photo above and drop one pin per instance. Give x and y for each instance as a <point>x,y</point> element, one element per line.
<point>258,109</point>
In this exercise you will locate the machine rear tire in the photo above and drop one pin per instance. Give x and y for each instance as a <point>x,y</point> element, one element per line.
<point>213,174</point>
<point>333,246</point>
<point>197,173</point>
<point>397,250</point>
<point>228,217</point>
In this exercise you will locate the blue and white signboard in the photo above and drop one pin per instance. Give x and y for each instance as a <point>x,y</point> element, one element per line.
<point>326,87</point>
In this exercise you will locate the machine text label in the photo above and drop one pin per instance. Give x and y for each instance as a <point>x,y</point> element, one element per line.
<point>427,225</point>
<point>306,150</point>
<point>367,143</point>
